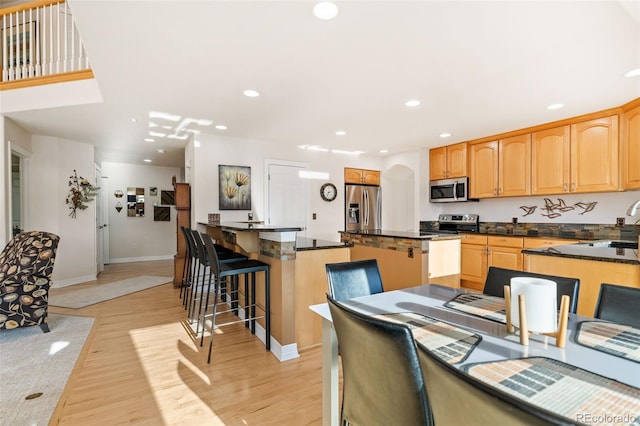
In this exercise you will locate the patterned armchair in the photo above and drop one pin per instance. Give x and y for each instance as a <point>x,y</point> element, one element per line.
<point>26,265</point>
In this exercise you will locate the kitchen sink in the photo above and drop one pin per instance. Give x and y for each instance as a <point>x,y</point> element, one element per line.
<point>615,244</point>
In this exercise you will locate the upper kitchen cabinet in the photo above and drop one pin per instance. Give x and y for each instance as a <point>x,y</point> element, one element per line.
<point>550,161</point>
<point>630,148</point>
<point>448,161</point>
<point>500,168</point>
<point>361,176</point>
<point>594,155</point>
<point>581,157</point>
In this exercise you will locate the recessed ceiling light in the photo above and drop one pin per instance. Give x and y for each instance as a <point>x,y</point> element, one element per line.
<point>157,134</point>
<point>133,120</point>
<point>555,106</point>
<point>221,127</point>
<point>445,135</point>
<point>633,73</point>
<point>412,103</point>
<point>161,151</point>
<point>341,133</point>
<point>325,10</point>
<point>147,160</point>
<point>251,93</point>
<point>149,140</point>
<point>384,151</point>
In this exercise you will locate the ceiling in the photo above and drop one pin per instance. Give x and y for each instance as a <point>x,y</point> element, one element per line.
<point>478,67</point>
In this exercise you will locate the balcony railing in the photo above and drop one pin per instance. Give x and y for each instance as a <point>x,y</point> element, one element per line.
<point>40,45</point>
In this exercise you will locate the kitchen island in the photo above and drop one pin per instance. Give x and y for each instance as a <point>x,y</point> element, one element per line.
<point>593,263</point>
<point>297,274</point>
<point>407,259</point>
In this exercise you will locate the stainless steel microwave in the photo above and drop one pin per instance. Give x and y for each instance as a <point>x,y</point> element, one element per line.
<point>449,190</point>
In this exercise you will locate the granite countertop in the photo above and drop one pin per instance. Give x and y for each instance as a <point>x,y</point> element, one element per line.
<point>422,235</point>
<point>303,244</point>
<point>253,226</point>
<point>588,251</point>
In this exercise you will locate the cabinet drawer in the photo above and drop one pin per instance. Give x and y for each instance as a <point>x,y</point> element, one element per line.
<point>495,240</point>
<point>474,239</point>
<point>530,243</point>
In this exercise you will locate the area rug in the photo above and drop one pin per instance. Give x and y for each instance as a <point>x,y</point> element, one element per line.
<point>34,362</point>
<point>70,298</point>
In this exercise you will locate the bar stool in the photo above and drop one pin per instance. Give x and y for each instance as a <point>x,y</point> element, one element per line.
<point>203,262</point>
<point>221,270</point>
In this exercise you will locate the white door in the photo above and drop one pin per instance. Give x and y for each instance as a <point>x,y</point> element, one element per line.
<point>287,196</point>
<point>101,222</point>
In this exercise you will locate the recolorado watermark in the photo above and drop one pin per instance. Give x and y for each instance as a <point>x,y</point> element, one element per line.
<point>609,419</point>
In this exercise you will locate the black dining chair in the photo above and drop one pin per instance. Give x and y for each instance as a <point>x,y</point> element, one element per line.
<point>619,304</point>
<point>457,398</point>
<point>497,278</point>
<point>382,379</point>
<point>353,279</point>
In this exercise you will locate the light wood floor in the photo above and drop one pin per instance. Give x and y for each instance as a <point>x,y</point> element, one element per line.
<point>140,367</point>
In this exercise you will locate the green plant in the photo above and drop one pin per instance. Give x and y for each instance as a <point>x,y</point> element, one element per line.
<point>80,193</point>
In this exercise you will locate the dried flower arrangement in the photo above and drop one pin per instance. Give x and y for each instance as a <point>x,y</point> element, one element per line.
<point>80,192</point>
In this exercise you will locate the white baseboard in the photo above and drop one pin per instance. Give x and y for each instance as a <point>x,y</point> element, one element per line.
<point>73,281</point>
<point>140,259</point>
<point>282,353</point>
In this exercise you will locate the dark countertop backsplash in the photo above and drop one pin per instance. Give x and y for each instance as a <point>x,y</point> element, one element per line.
<point>552,230</point>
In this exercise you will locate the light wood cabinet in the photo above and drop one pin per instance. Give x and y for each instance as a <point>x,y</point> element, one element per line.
<point>530,243</point>
<point>473,261</point>
<point>581,157</point>
<point>550,161</point>
<point>500,168</point>
<point>505,252</point>
<point>594,155</point>
<point>361,176</point>
<point>448,161</point>
<point>630,149</point>
<point>182,197</point>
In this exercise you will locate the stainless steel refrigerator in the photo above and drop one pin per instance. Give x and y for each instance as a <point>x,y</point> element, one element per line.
<point>363,206</point>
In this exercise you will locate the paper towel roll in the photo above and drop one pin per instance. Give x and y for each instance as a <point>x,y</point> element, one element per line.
<point>541,303</point>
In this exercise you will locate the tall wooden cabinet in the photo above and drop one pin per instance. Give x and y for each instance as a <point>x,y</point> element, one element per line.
<point>550,161</point>
<point>183,218</point>
<point>630,148</point>
<point>448,162</point>
<point>594,155</point>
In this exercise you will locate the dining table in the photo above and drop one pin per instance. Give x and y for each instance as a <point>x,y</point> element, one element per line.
<point>495,343</point>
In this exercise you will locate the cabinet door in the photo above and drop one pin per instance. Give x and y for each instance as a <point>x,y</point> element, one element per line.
<point>483,170</point>
<point>438,163</point>
<point>352,175</point>
<point>473,265</point>
<point>550,160</point>
<point>514,166</point>
<point>371,177</point>
<point>530,243</point>
<point>594,155</point>
<point>630,144</point>
<point>505,257</point>
<point>457,160</point>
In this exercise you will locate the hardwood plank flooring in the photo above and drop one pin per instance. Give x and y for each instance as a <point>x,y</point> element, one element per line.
<point>141,367</point>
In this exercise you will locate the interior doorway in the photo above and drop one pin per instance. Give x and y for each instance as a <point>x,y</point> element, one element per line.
<point>19,189</point>
<point>287,195</point>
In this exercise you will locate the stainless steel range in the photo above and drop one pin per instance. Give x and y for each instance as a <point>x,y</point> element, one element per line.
<point>455,223</point>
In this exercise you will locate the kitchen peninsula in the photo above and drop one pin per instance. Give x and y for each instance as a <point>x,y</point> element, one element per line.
<point>407,259</point>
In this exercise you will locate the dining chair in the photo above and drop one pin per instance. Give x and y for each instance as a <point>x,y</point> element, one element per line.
<point>382,379</point>
<point>353,279</point>
<point>619,304</point>
<point>457,398</point>
<point>497,278</point>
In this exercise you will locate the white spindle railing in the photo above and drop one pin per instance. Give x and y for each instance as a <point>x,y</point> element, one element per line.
<point>40,40</point>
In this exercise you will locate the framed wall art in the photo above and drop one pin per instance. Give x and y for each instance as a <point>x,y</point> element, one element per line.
<point>234,187</point>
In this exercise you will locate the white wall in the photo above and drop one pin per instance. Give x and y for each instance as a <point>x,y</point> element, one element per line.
<point>134,239</point>
<point>202,167</point>
<point>53,162</point>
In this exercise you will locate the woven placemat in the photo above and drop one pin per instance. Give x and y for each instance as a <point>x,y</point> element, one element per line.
<point>615,339</point>
<point>480,305</point>
<point>448,342</point>
<point>568,391</point>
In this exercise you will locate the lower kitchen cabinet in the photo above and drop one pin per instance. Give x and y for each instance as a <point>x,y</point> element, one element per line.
<point>479,252</point>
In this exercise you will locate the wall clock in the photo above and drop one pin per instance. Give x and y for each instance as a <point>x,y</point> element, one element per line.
<point>328,192</point>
